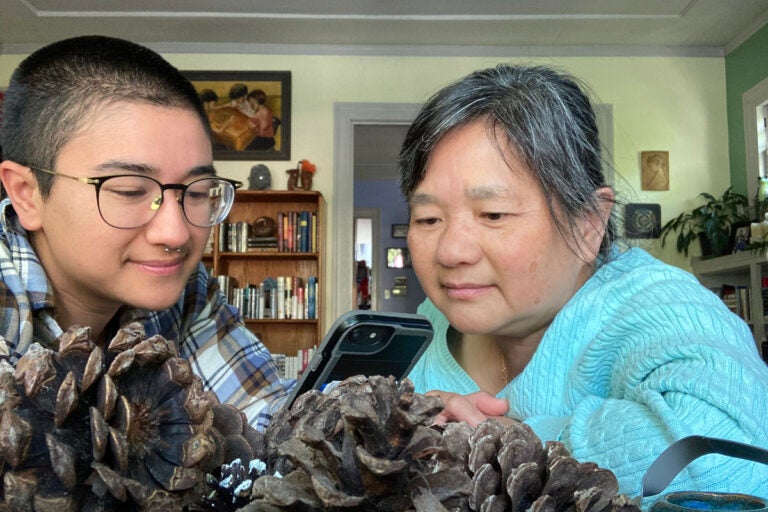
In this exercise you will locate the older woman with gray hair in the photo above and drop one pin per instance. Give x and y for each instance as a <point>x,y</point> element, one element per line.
<point>539,315</point>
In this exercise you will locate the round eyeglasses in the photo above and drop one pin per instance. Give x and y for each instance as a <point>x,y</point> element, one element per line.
<point>129,201</point>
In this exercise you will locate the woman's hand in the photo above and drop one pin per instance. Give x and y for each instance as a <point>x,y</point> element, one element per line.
<point>474,408</point>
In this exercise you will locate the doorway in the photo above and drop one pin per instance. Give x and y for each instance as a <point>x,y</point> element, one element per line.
<point>346,117</point>
<point>367,238</point>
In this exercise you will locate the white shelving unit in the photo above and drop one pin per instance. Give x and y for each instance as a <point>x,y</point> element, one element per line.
<point>740,269</point>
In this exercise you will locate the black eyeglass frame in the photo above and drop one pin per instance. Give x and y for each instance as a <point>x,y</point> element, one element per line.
<point>97,182</point>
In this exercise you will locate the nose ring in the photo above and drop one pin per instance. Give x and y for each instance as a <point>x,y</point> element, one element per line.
<point>168,249</point>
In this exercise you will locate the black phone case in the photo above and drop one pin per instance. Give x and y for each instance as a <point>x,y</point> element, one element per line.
<point>366,343</point>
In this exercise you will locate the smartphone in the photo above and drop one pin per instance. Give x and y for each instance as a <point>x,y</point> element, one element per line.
<point>366,343</point>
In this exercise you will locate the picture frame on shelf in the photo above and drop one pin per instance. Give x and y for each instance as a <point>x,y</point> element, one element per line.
<point>249,112</point>
<point>399,230</point>
<point>740,234</point>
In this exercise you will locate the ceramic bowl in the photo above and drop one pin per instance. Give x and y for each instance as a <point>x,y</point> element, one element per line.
<point>690,501</point>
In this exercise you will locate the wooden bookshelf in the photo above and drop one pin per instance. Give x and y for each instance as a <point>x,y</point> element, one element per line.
<point>284,336</point>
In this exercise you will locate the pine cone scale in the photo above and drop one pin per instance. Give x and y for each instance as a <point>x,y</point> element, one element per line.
<point>15,436</point>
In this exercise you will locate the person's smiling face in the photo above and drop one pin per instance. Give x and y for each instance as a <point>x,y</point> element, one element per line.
<point>100,267</point>
<point>483,242</point>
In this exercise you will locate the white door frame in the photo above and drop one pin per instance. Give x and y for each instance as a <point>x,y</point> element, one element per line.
<point>750,102</point>
<point>345,117</point>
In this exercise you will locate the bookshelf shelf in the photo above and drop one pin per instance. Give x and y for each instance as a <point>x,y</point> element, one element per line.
<point>252,267</point>
<point>270,255</point>
<point>745,271</point>
<point>257,321</point>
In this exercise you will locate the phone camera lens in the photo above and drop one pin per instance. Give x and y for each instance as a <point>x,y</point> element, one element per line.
<point>367,338</point>
<point>354,336</point>
<point>364,335</point>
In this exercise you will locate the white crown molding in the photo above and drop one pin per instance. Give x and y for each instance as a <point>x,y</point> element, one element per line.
<point>413,51</point>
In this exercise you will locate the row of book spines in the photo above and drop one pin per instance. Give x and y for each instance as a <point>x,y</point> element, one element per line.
<point>738,299</point>
<point>297,231</point>
<point>235,237</point>
<point>291,298</point>
<point>291,367</point>
<point>296,298</point>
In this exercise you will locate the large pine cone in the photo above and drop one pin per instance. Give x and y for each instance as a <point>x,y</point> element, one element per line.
<point>126,428</point>
<point>365,445</point>
<point>368,445</point>
<point>512,471</point>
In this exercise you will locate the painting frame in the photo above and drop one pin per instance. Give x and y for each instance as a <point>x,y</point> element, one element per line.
<point>654,170</point>
<point>398,258</point>
<point>234,130</point>
<point>642,220</point>
<point>740,236</point>
<point>399,230</point>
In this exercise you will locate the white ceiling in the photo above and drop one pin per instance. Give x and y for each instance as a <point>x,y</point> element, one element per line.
<point>510,26</point>
<point>375,151</point>
<point>393,27</point>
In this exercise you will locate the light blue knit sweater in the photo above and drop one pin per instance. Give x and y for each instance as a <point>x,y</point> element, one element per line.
<point>641,356</point>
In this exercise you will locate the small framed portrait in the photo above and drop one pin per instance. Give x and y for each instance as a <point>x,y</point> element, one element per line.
<point>399,230</point>
<point>398,257</point>
<point>249,112</point>
<point>740,234</point>
<point>654,168</point>
<point>642,220</point>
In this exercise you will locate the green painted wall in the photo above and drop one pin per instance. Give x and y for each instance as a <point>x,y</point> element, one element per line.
<point>745,67</point>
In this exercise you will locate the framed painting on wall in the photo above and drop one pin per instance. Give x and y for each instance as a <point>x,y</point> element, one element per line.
<point>642,220</point>
<point>398,257</point>
<point>399,230</point>
<point>249,112</point>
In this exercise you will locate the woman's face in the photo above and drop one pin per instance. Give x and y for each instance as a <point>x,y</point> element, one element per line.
<point>483,243</point>
<point>97,266</point>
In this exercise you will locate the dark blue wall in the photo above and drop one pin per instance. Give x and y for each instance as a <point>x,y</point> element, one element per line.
<point>385,195</point>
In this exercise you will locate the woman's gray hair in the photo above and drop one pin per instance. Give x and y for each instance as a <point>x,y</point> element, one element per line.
<point>548,122</point>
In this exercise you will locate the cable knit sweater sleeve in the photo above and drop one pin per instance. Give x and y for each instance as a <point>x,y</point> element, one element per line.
<point>641,356</point>
<point>644,355</point>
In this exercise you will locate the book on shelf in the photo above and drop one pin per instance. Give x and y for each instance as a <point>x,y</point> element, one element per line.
<point>280,297</point>
<point>311,295</point>
<point>313,232</point>
<point>744,304</point>
<point>262,243</point>
<point>280,232</point>
<point>222,237</point>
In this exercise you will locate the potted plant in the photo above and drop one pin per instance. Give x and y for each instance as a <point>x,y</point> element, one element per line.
<point>710,223</point>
